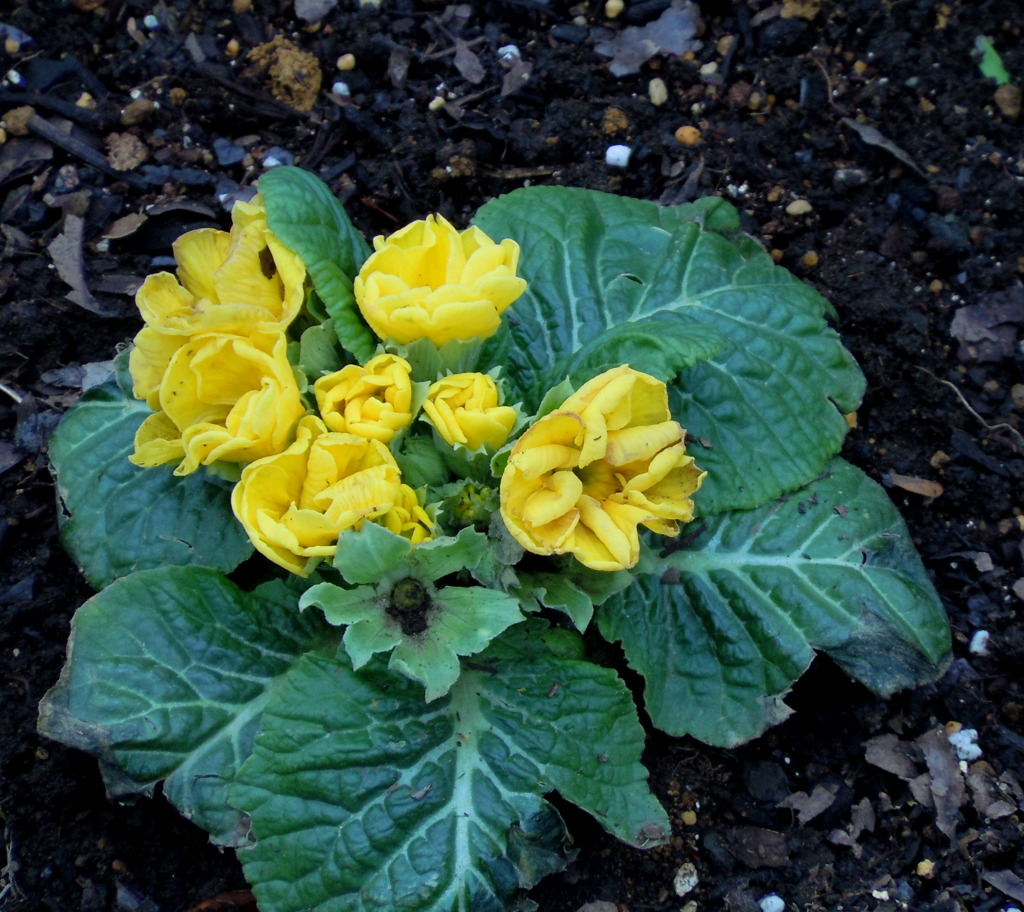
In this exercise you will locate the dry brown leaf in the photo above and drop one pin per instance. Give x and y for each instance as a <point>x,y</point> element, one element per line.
<point>808,807</point>
<point>66,252</point>
<point>916,485</point>
<point>947,782</point>
<point>756,847</point>
<point>467,63</point>
<point>872,137</point>
<point>889,753</point>
<point>125,226</point>
<point>1006,882</point>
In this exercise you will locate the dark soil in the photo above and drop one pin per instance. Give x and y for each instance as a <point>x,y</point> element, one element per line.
<point>920,246</point>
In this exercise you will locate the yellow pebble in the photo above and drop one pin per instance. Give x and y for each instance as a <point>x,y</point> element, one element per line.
<point>809,260</point>
<point>799,207</point>
<point>435,103</point>
<point>233,48</point>
<point>241,6</point>
<point>614,8</point>
<point>689,817</point>
<point>346,62</point>
<point>687,135</point>
<point>11,46</point>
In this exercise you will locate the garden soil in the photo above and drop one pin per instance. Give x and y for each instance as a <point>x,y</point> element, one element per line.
<point>864,147</point>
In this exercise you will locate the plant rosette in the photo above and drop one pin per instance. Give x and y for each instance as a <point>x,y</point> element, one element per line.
<point>345,564</point>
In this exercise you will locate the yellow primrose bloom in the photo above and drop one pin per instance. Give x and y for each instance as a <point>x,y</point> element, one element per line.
<point>373,401</point>
<point>242,281</point>
<point>582,479</point>
<point>407,517</point>
<point>295,504</point>
<point>229,398</point>
<point>429,281</point>
<point>464,408</point>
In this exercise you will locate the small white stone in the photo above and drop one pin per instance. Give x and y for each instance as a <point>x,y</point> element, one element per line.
<point>979,643</point>
<point>151,22</point>
<point>965,744</point>
<point>341,88</point>
<point>686,879</point>
<point>617,156</point>
<point>799,207</point>
<point>772,903</point>
<point>508,53</point>
<point>657,91</point>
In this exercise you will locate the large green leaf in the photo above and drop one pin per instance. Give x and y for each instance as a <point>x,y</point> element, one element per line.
<point>167,675</point>
<point>363,799</point>
<point>767,408</point>
<point>307,218</point>
<point>725,626</point>
<point>118,518</point>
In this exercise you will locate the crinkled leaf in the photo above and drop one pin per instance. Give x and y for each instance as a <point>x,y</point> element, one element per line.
<point>663,346</point>
<point>167,675</point>
<point>725,626</point>
<point>117,518</point>
<point>768,408</point>
<point>305,216</point>
<point>361,799</point>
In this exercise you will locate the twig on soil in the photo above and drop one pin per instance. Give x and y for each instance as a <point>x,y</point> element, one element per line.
<point>75,146</point>
<point>967,405</point>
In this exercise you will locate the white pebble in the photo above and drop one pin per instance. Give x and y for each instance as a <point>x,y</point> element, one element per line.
<point>657,91</point>
<point>965,744</point>
<point>341,88</point>
<point>979,643</point>
<point>686,879</point>
<point>772,903</point>
<point>508,53</point>
<point>617,156</point>
<point>151,22</point>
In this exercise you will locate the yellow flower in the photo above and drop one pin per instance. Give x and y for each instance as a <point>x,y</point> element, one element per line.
<point>407,517</point>
<point>373,401</point>
<point>464,408</point>
<point>242,281</point>
<point>295,504</point>
<point>583,478</point>
<point>428,281</point>
<point>223,397</point>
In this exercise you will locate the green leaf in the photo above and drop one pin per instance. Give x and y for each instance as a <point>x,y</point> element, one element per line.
<point>363,800</point>
<point>305,216</point>
<point>167,675</point>
<point>116,517</point>
<point>662,346</point>
<point>723,628</point>
<point>991,64</point>
<point>318,351</point>
<point>769,405</point>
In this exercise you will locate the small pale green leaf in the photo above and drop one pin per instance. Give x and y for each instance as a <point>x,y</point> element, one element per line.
<point>116,517</point>
<point>991,64</point>
<point>167,675</point>
<point>724,627</point>
<point>307,218</point>
<point>768,407</point>
<point>363,800</point>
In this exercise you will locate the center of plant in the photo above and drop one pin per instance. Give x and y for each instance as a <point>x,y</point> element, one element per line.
<point>408,605</point>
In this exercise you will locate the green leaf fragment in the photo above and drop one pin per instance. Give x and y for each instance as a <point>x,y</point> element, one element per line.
<point>721,631</point>
<point>769,405</point>
<point>117,518</point>
<point>167,675</point>
<point>361,799</point>
<point>305,216</point>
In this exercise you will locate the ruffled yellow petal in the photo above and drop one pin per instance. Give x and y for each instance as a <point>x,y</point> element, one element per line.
<point>430,281</point>
<point>295,504</point>
<point>157,442</point>
<point>583,479</point>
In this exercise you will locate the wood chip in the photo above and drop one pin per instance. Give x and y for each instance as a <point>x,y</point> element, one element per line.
<point>915,485</point>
